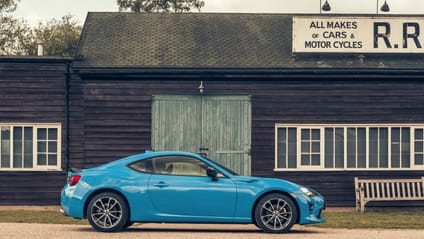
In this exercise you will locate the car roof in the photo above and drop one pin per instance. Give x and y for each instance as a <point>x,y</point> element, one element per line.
<point>147,154</point>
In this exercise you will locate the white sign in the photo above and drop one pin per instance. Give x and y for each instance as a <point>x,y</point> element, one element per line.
<point>358,34</point>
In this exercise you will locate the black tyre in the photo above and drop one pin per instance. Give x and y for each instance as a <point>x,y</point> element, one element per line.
<point>129,223</point>
<point>275,213</point>
<point>107,212</point>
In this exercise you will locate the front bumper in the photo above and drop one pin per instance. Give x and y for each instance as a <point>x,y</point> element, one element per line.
<point>316,205</point>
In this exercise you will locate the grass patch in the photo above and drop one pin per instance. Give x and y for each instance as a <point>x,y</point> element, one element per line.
<point>386,218</point>
<point>24,216</point>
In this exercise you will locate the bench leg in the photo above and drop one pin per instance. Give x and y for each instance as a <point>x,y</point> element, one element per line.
<point>362,196</point>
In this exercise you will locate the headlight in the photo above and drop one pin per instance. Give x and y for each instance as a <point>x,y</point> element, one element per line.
<point>307,192</point>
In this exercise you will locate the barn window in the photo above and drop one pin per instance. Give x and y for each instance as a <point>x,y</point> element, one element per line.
<point>30,147</point>
<point>419,147</point>
<point>310,153</point>
<point>349,147</point>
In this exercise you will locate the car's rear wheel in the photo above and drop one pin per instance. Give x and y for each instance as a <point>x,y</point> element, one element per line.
<point>107,212</point>
<point>275,213</point>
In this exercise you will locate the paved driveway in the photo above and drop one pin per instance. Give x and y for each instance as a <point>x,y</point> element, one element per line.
<point>175,231</point>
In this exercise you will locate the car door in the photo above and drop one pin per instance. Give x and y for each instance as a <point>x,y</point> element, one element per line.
<point>181,191</point>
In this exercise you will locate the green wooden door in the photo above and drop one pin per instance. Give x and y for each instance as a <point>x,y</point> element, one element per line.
<point>176,123</point>
<point>217,125</point>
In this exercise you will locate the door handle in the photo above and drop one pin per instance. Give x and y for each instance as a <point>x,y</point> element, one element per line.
<point>161,185</point>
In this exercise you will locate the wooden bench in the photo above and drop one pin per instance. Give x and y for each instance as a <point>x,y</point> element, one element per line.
<point>387,190</point>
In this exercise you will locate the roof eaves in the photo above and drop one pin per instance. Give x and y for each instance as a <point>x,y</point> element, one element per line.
<point>251,72</point>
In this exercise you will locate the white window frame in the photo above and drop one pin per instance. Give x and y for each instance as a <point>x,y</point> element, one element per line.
<point>322,128</point>
<point>35,127</point>
<point>310,153</point>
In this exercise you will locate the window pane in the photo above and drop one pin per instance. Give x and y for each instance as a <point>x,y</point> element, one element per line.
<point>306,134</point>
<point>42,147</point>
<point>418,146</point>
<point>395,148</point>
<point>292,149</point>
<point>28,159</point>
<point>406,148</point>
<point>351,148</point>
<point>28,133</point>
<point>17,147</point>
<point>419,161</point>
<point>316,147</point>
<point>42,134</point>
<point>5,147</point>
<point>281,148</point>
<point>419,133</point>
<point>384,147</point>
<point>52,159</point>
<point>41,160</point>
<point>361,148</point>
<point>316,160</point>
<point>179,165</point>
<point>316,134</point>
<point>305,160</point>
<point>52,134</point>
<point>339,148</point>
<point>52,147</point>
<point>396,135</point>
<point>373,147</point>
<point>329,148</point>
<point>306,147</point>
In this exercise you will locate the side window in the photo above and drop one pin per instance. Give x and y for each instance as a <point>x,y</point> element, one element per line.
<point>172,165</point>
<point>179,165</point>
<point>144,166</point>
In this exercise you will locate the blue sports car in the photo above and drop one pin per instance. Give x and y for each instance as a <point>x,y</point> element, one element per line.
<point>184,187</point>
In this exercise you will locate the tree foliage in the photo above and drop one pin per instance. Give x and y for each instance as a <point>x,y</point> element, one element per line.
<point>8,5</point>
<point>60,37</point>
<point>15,36</point>
<point>177,6</point>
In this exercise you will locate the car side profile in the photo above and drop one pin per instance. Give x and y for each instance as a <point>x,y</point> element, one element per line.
<point>182,187</point>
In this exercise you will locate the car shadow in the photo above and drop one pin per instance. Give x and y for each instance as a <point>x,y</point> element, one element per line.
<point>175,229</point>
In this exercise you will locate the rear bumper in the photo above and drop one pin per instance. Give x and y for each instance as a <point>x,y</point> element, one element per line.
<point>71,205</point>
<point>62,211</point>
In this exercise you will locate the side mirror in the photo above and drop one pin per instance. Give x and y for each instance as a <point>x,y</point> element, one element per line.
<point>211,172</point>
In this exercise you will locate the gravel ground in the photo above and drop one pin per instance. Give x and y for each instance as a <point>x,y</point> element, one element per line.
<point>207,231</point>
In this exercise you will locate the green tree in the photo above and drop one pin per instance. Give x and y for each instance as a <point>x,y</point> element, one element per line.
<point>15,34</point>
<point>177,6</point>
<point>60,37</point>
<point>8,5</point>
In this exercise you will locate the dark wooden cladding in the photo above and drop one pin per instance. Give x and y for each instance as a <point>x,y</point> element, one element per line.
<point>33,91</point>
<point>31,188</point>
<point>117,118</point>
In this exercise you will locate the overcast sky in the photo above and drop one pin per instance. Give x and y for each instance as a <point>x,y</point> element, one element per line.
<point>41,10</point>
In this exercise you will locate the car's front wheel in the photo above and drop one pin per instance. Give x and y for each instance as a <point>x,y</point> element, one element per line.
<point>275,213</point>
<point>107,212</point>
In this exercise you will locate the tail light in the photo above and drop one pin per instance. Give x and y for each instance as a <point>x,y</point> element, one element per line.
<point>73,179</point>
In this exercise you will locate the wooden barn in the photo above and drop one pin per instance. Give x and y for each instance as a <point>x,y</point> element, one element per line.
<point>248,90</point>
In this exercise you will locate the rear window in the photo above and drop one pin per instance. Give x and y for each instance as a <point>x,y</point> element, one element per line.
<point>144,166</point>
